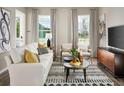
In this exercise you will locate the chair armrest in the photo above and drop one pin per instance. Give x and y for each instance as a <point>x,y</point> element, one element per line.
<point>26,74</point>
<point>89,50</point>
<point>60,50</point>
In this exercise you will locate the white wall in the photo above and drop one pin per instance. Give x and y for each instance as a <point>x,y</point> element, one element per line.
<point>12,33</point>
<point>21,41</point>
<point>63,24</point>
<point>12,24</point>
<point>41,11</point>
<point>28,25</point>
<point>114,17</point>
<point>84,11</point>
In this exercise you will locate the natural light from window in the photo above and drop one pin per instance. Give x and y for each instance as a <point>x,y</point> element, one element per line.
<point>83,30</point>
<point>44,28</point>
<point>20,28</point>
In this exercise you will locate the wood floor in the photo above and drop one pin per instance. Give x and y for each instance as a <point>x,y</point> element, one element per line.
<point>5,80</point>
<point>117,81</point>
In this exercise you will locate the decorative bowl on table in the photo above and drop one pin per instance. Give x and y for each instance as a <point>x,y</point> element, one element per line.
<point>75,62</point>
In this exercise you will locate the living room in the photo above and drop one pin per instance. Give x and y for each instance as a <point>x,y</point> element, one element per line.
<point>61,34</point>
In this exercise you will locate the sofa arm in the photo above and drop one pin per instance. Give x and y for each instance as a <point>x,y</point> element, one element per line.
<point>43,57</point>
<point>50,51</point>
<point>26,74</point>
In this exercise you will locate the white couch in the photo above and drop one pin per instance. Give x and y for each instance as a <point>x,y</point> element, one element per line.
<point>30,74</point>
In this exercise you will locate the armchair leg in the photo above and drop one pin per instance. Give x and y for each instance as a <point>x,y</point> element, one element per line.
<point>61,56</point>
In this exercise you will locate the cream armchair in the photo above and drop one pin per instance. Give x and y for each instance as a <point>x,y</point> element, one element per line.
<point>65,50</point>
<point>85,49</point>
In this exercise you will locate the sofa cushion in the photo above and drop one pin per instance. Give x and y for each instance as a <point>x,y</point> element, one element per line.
<point>32,47</point>
<point>46,59</point>
<point>20,51</point>
<point>30,57</point>
<point>42,51</point>
<point>16,58</point>
<point>3,62</point>
<point>41,45</point>
<point>45,56</point>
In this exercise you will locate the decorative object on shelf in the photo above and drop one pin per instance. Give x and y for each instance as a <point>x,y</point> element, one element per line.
<point>48,43</point>
<point>75,61</point>
<point>4,30</point>
<point>102,25</point>
<point>80,56</point>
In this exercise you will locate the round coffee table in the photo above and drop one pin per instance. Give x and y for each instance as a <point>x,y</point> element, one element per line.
<point>68,66</point>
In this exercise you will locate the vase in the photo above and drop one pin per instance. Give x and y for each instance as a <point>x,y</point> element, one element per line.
<point>74,60</point>
<point>80,56</point>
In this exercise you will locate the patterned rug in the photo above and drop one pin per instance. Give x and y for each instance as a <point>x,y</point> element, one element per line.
<point>95,77</point>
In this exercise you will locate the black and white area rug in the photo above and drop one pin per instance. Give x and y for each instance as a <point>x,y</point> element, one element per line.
<point>95,77</point>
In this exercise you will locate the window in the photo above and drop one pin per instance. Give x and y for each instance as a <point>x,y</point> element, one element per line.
<point>83,29</point>
<point>44,28</point>
<point>20,28</point>
<point>17,27</point>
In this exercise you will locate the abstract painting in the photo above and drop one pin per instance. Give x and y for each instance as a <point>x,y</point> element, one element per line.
<point>102,30</point>
<point>4,30</point>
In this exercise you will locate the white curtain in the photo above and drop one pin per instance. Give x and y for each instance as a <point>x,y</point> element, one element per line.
<point>93,31</point>
<point>53,29</point>
<point>34,25</point>
<point>75,27</point>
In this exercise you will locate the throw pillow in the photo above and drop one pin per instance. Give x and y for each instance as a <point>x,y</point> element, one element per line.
<point>42,51</point>
<point>8,60</point>
<point>16,58</point>
<point>41,45</point>
<point>30,57</point>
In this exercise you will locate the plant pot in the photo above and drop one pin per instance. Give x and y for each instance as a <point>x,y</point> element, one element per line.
<point>75,62</point>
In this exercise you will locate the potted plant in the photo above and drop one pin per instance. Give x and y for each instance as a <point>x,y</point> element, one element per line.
<point>75,60</point>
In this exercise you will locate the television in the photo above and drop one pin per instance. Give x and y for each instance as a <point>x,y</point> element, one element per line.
<point>116,37</point>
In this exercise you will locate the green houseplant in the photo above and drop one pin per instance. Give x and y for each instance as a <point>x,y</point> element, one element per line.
<point>74,52</point>
<point>75,60</point>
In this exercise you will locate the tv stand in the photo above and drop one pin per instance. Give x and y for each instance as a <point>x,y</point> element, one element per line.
<point>112,59</point>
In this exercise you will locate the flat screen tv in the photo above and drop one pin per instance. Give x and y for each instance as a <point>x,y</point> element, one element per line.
<point>116,37</point>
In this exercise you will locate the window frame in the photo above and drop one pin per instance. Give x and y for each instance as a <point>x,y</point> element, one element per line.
<point>42,38</point>
<point>88,29</point>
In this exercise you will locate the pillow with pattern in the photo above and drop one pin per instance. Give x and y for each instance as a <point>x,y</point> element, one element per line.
<point>42,51</point>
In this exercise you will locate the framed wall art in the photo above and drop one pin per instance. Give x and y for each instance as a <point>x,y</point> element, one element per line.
<point>102,30</point>
<point>4,30</point>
